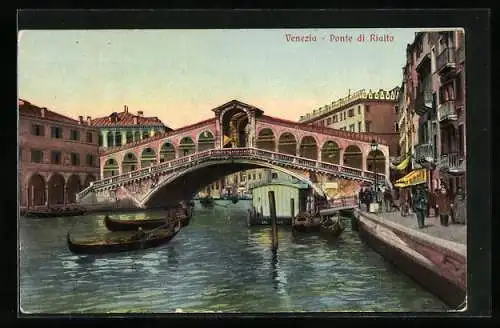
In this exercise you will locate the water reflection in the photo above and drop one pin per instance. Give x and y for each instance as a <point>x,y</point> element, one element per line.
<point>216,263</point>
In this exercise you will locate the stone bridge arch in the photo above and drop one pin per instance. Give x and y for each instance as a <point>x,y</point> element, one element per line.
<point>186,184</point>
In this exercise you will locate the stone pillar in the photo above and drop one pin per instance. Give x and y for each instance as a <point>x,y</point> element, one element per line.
<point>297,148</point>
<point>141,134</point>
<point>133,135</point>
<point>124,137</point>
<point>251,131</point>
<point>104,134</point>
<point>341,157</point>
<point>364,158</point>
<point>152,133</point>
<point>46,195</point>
<point>31,201</point>
<point>218,133</point>
<point>114,139</point>
<point>65,196</point>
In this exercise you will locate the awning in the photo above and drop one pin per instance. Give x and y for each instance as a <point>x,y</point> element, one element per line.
<point>402,165</point>
<point>413,178</point>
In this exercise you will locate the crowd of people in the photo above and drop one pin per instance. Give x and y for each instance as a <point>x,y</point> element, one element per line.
<point>419,201</point>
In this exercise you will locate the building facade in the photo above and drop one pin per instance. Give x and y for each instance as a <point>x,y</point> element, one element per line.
<point>370,112</point>
<point>124,127</point>
<point>434,79</point>
<point>58,156</point>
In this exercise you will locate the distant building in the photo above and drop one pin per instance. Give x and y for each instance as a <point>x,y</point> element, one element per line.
<point>58,156</point>
<point>369,112</point>
<point>124,127</point>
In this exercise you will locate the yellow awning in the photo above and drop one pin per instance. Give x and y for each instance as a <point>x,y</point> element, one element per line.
<point>227,140</point>
<point>403,164</point>
<point>413,178</point>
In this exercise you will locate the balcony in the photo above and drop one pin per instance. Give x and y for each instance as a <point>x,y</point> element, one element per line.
<point>453,162</point>
<point>424,153</point>
<point>447,111</point>
<point>445,60</point>
<point>423,100</point>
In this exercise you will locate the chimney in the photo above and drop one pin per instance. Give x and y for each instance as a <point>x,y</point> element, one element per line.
<point>140,113</point>
<point>42,111</point>
<point>135,120</point>
<point>125,108</point>
<point>80,120</point>
<point>89,120</point>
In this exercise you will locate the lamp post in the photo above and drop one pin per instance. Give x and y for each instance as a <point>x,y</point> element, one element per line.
<point>374,147</point>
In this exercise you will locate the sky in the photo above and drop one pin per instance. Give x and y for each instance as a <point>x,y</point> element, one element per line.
<point>180,75</point>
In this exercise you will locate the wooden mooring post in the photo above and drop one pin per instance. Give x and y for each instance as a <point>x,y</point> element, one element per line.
<point>272,212</point>
<point>292,209</point>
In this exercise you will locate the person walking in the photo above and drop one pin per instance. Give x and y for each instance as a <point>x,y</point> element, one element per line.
<point>388,199</point>
<point>460,207</point>
<point>419,205</point>
<point>444,206</point>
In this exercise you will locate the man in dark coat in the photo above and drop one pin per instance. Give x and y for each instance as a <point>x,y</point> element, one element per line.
<point>419,206</point>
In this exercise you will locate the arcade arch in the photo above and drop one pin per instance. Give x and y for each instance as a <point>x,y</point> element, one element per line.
<point>167,152</point>
<point>206,141</point>
<point>129,163</point>
<point>56,189</point>
<point>186,147</point>
<point>287,144</point>
<point>110,168</point>
<point>266,140</point>
<point>74,186</point>
<point>148,157</point>
<point>308,148</point>
<point>375,157</point>
<point>353,157</point>
<point>330,152</point>
<point>36,190</point>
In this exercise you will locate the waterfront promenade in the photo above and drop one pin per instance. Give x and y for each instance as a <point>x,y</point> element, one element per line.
<point>453,232</point>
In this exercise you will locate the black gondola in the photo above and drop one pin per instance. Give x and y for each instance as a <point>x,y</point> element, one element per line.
<point>234,199</point>
<point>54,212</point>
<point>120,243</point>
<point>128,225</point>
<point>207,201</point>
<point>332,226</point>
<point>305,222</point>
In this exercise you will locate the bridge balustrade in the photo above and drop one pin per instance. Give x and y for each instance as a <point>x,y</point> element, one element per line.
<point>215,154</point>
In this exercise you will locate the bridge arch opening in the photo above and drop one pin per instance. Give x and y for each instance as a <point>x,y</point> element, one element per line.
<point>266,140</point>
<point>129,163</point>
<point>167,152</point>
<point>330,152</point>
<point>353,157</point>
<point>74,187</point>
<point>56,190</point>
<point>129,136</point>
<point>308,148</point>
<point>88,179</point>
<point>206,141</point>
<point>118,138</point>
<point>148,157</point>
<point>186,147</point>
<point>375,157</point>
<point>287,144</point>
<point>36,190</point>
<point>235,128</point>
<point>110,139</point>
<point>110,168</point>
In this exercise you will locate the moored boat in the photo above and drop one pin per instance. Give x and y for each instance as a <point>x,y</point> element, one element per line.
<point>332,226</point>
<point>116,242</point>
<point>306,222</point>
<point>207,201</point>
<point>54,212</point>
<point>127,225</point>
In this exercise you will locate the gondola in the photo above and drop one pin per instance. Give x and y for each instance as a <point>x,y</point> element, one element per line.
<point>305,222</point>
<point>207,201</point>
<point>120,243</point>
<point>127,225</point>
<point>54,212</point>
<point>234,199</point>
<point>331,226</point>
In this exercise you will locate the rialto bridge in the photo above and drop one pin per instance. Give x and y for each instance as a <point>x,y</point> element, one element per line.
<point>164,169</point>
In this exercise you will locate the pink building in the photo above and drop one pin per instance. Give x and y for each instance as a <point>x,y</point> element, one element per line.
<point>58,156</point>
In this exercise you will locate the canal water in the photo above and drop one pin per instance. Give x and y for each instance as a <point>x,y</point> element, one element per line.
<point>217,263</point>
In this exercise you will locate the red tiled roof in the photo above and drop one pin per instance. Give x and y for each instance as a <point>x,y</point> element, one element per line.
<point>127,119</point>
<point>28,109</point>
<point>329,131</point>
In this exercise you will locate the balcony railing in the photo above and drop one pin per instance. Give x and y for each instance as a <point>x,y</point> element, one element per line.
<point>425,152</point>
<point>447,111</point>
<point>453,162</point>
<point>445,60</point>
